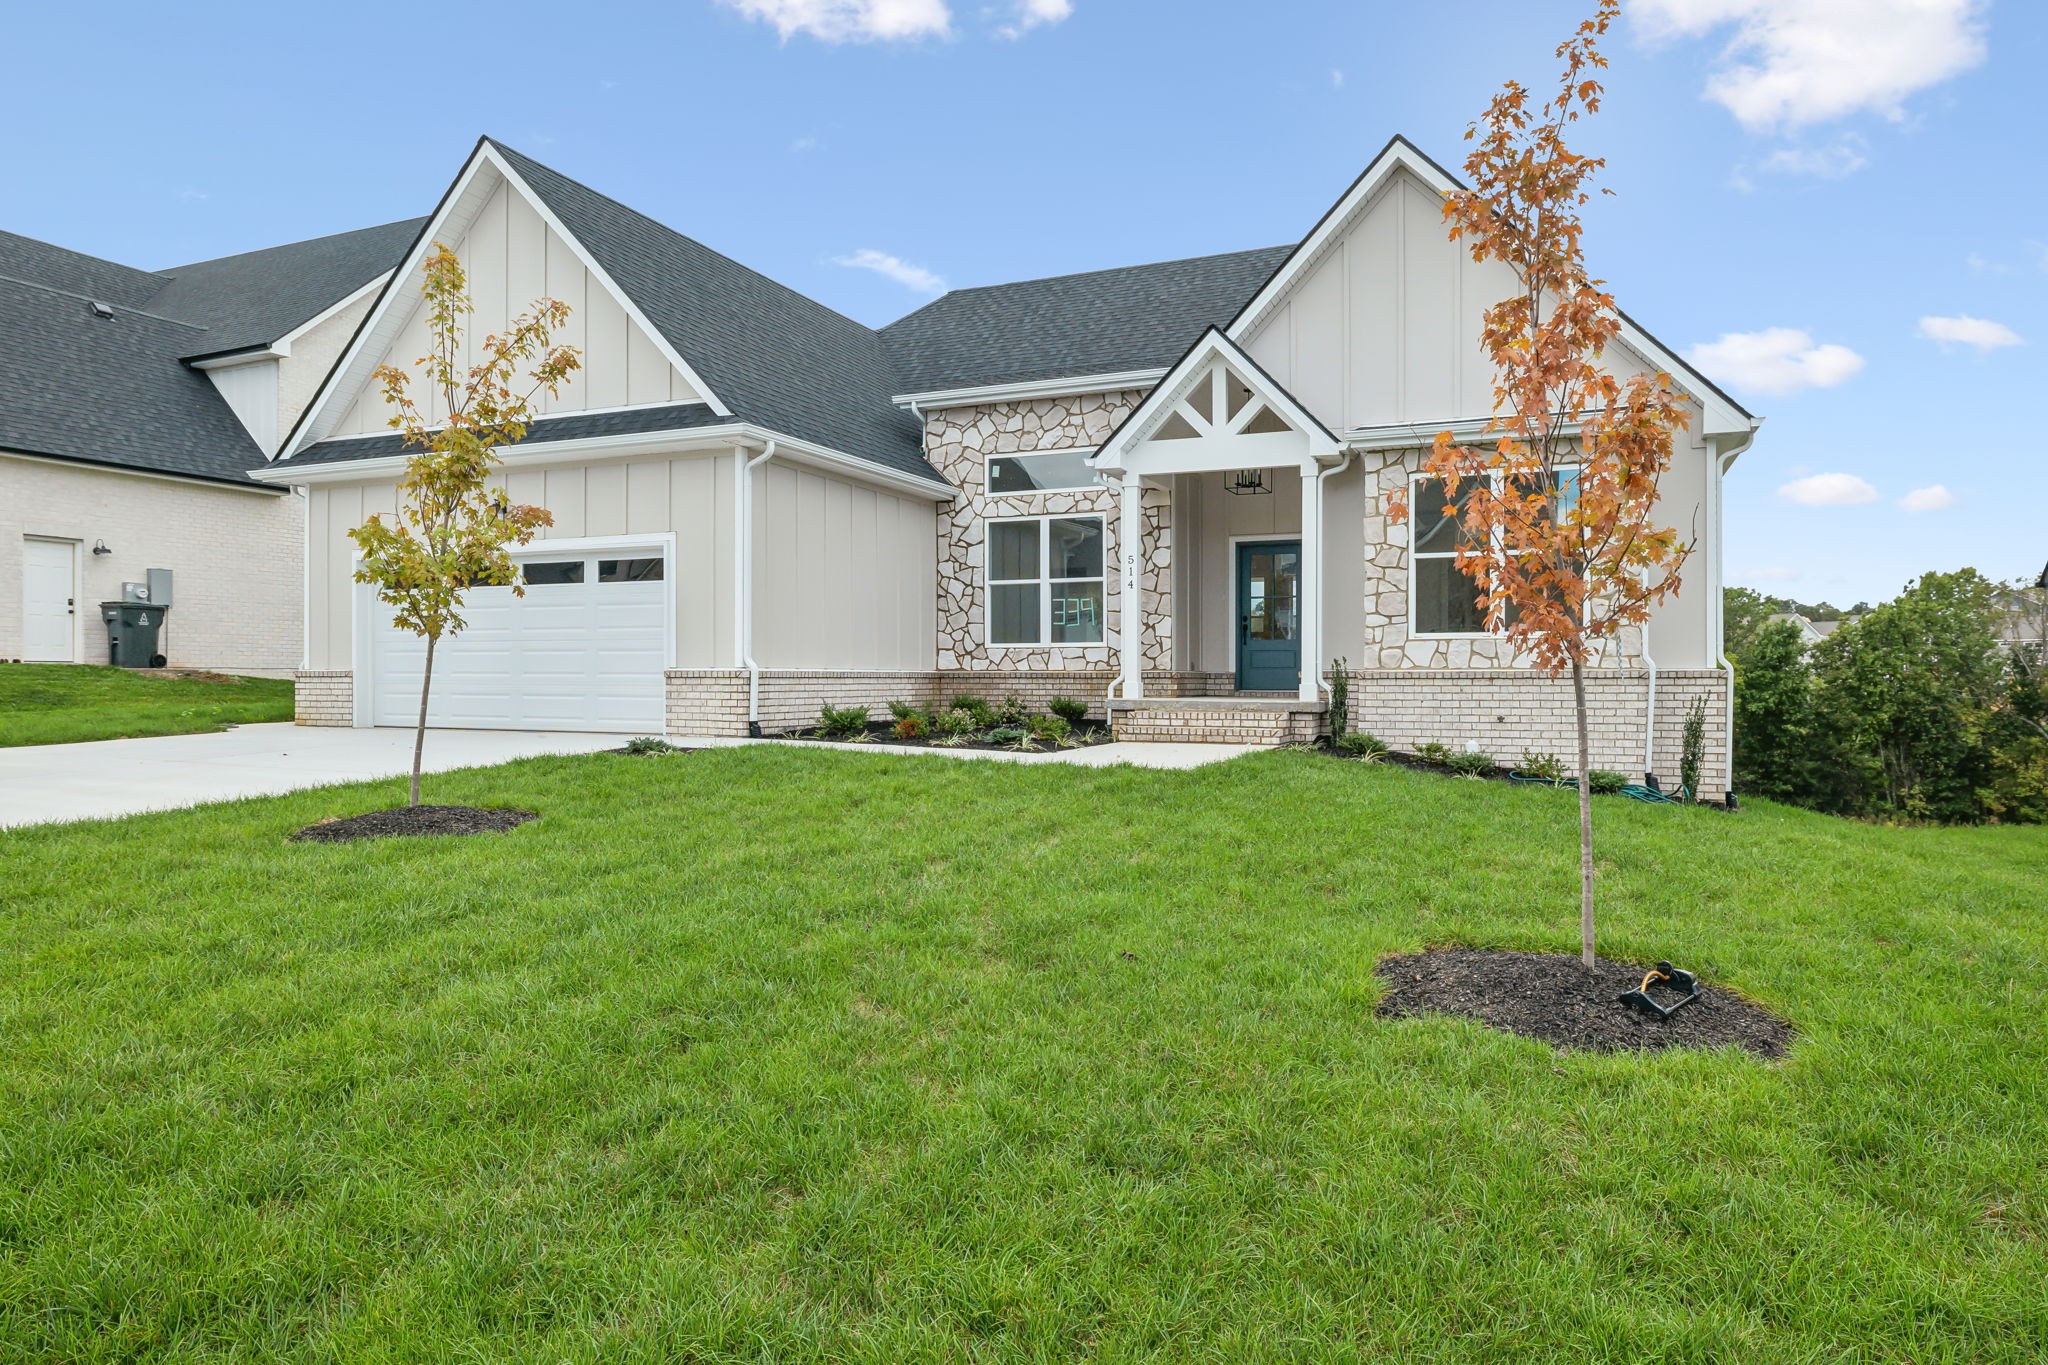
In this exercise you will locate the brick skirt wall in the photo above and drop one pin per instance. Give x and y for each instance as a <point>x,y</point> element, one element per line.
<point>324,698</point>
<point>1509,712</point>
<point>713,701</point>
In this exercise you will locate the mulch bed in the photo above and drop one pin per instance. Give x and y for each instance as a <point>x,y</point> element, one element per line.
<point>880,732</point>
<point>407,820</point>
<point>1549,996</point>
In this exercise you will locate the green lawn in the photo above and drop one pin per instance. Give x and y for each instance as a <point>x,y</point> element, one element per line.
<point>777,1054</point>
<point>64,703</point>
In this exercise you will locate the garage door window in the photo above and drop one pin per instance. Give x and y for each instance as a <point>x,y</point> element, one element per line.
<point>548,571</point>
<point>629,570</point>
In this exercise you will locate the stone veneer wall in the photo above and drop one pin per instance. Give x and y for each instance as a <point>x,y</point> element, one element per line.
<point>324,698</point>
<point>1509,712</point>
<point>958,442</point>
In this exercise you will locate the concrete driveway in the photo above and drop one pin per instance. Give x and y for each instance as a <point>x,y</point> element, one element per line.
<point>45,783</point>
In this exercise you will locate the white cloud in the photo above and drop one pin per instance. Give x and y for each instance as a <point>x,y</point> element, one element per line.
<point>894,267</point>
<point>1933,498</point>
<point>1797,62</point>
<point>1966,331</point>
<point>1829,490</point>
<point>804,144</point>
<point>1336,78</point>
<point>851,21</point>
<point>1838,160</point>
<point>1980,264</point>
<point>1775,360</point>
<point>1032,13</point>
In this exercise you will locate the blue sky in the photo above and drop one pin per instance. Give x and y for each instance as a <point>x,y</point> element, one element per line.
<point>1841,201</point>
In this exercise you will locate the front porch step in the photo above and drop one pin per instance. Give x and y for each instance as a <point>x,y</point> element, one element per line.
<point>1268,721</point>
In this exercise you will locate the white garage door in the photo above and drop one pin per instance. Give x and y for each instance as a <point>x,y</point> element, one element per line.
<point>584,649</point>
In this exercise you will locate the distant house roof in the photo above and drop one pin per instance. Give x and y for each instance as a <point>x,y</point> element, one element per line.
<point>113,389</point>
<point>1140,317</point>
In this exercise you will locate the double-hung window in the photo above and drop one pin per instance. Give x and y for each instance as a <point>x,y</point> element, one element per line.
<point>1045,581</point>
<point>1445,600</point>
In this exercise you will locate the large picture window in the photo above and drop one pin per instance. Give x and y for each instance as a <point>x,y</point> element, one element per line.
<point>1045,581</point>
<point>1445,599</point>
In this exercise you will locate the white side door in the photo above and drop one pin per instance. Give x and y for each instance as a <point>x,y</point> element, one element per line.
<point>49,584</point>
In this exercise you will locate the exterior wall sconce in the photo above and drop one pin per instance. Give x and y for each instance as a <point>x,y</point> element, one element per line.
<point>99,547</point>
<point>1247,483</point>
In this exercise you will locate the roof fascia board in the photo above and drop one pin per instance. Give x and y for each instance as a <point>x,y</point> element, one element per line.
<point>592,449</point>
<point>284,343</point>
<point>101,467</point>
<point>230,360</point>
<point>590,263</point>
<point>1721,413</point>
<point>1063,387</point>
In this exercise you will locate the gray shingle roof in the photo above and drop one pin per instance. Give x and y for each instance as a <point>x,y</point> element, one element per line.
<point>567,427</point>
<point>1103,322</point>
<point>115,391</point>
<point>256,297</point>
<point>772,355</point>
<point>111,391</point>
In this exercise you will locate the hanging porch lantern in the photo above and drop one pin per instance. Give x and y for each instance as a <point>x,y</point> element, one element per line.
<point>1247,483</point>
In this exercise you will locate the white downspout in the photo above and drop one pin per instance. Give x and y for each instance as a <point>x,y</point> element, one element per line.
<point>743,619</point>
<point>1650,722</point>
<point>1322,579</point>
<point>1718,605</point>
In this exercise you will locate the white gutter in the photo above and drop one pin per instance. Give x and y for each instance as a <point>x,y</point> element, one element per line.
<point>1036,388</point>
<point>743,584</point>
<point>1322,585</point>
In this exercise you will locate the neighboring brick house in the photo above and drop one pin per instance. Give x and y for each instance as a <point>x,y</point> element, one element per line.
<point>133,403</point>
<point>1160,489</point>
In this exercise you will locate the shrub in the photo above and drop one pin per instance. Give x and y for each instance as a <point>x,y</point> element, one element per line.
<point>984,714</point>
<point>903,710</point>
<point>648,745</point>
<point>1340,698</point>
<point>1362,745</point>
<point>1011,713</point>
<point>1692,752</point>
<point>1549,767</point>
<point>1433,752</point>
<point>1008,734</point>
<point>1069,710</point>
<point>843,722</point>
<point>1051,729</point>
<point>1602,782</point>
<point>956,721</point>
<point>912,726</point>
<point>1474,764</point>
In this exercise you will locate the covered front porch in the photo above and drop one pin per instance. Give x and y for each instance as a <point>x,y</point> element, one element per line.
<point>1243,470</point>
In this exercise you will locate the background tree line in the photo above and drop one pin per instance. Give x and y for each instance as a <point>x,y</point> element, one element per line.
<point>1932,706</point>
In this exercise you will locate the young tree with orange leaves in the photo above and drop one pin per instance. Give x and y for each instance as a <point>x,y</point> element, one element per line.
<point>452,526</point>
<point>1555,515</point>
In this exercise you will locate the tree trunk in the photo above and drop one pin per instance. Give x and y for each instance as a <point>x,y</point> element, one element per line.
<point>1585,820</point>
<point>419,738</point>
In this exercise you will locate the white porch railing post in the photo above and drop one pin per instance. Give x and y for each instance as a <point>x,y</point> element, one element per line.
<point>1130,549</point>
<point>1311,589</point>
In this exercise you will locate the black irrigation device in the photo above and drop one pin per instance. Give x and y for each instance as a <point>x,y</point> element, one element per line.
<point>1679,978</point>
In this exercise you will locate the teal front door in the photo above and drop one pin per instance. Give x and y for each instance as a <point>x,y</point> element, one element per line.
<point>1269,616</point>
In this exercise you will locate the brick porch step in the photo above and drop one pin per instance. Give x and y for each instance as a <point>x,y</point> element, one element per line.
<point>1217,720</point>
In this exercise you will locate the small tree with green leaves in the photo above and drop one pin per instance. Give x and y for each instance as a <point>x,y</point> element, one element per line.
<point>453,526</point>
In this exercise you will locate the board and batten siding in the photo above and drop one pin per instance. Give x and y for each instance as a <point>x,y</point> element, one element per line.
<point>845,577</point>
<point>513,258</point>
<point>1384,330</point>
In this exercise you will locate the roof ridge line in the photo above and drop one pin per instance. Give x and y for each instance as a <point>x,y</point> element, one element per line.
<point>90,298</point>
<point>1102,270</point>
<point>170,272</point>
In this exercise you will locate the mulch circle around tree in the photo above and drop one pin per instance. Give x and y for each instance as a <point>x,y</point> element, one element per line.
<point>404,820</point>
<point>1549,996</point>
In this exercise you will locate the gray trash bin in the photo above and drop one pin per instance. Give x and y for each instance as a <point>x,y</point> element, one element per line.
<point>132,633</point>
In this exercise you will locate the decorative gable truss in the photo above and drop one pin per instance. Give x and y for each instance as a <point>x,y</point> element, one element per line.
<point>1217,409</point>
<point>515,251</point>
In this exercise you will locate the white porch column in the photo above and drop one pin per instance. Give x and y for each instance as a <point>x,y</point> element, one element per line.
<point>1130,549</point>
<point>1311,589</point>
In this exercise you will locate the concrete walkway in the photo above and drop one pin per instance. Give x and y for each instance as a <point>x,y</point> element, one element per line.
<point>46,783</point>
<point>49,783</point>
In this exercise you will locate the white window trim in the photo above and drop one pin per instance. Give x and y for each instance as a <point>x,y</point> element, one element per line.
<point>991,457</point>
<point>1045,581</point>
<point>1415,632</point>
